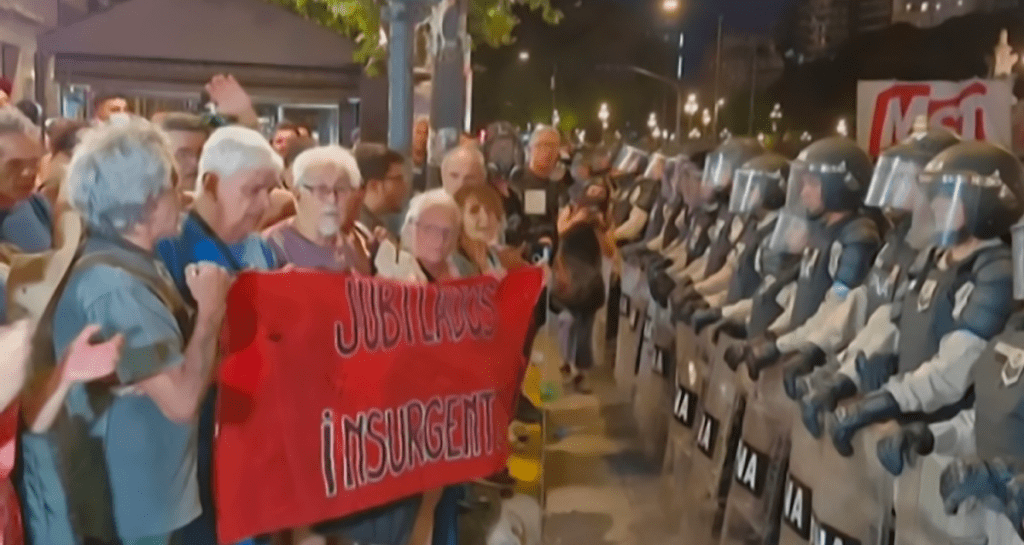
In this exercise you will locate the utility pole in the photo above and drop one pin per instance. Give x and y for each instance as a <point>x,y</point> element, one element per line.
<point>448,107</point>
<point>718,71</point>
<point>402,17</point>
<point>753,88</point>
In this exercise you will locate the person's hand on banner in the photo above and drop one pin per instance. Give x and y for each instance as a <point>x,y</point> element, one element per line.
<point>90,360</point>
<point>209,284</point>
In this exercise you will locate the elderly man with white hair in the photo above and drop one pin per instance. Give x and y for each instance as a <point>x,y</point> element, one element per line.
<point>237,171</point>
<point>463,165</point>
<point>119,465</point>
<point>544,192</point>
<point>327,191</point>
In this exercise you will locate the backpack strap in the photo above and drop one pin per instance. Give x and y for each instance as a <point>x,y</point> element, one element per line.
<point>163,288</point>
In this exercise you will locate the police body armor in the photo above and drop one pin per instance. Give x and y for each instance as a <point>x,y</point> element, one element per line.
<point>819,267</point>
<point>698,237</point>
<point>931,310</point>
<point>731,229</point>
<point>999,404</point>
<point>778,271</point>
<point>745,282</point>
<point>622,203</point>
<point>890,269</point>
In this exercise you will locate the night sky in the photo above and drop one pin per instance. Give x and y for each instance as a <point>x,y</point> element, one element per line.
<point>699,19</point>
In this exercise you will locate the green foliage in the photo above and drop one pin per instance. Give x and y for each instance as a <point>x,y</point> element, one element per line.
<point>490,22</point>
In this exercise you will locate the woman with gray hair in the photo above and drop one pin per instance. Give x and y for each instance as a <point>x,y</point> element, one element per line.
<point>430,236</point>
<point>119,465</point>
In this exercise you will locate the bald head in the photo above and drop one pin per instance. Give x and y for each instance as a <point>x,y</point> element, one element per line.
<point>462,166</point>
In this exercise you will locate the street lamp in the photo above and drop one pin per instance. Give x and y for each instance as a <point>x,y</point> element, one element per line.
<point>805,137</point>
<point>603,114</point>
<point>691,107</point>
<point>725,134</point>
<point>524,56</point>
<point>775,116</point>
<point>695,133</point>
<point>652,121</point>
<point>841,127</point>
<point>670,6</point>
<point>706,117</point>
<point>656,133</point>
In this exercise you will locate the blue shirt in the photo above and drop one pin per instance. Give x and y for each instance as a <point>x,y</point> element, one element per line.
<point>123,461</point>
<point>29,226</point>
<point>198,243</point>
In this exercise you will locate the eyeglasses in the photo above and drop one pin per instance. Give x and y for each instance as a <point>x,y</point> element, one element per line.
<point>323,192</point>
<point>443,232</point>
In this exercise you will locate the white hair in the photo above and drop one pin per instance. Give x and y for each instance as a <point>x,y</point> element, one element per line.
<point>313,158</point>
<point>116,173</point>
<point>232,149</point>
<point>434,198</point>
<point>13,121</point>
<point>471,152</point>
<point>542,129</point>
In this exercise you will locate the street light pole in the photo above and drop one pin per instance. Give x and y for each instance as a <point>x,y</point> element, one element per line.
<point>402,17</point>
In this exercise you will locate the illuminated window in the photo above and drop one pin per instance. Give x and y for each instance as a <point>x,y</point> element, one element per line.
<point>924,7</point>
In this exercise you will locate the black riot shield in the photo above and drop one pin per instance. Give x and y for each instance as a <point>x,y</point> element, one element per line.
<point>689,384</point>
<point>653,380</point>
<point>755,497</point>
<point>920,516</point>
<point>850,498</point>
<point>716,437</point>
<point>632,311</point>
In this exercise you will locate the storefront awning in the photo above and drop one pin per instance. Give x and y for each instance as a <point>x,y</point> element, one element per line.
<point>171,45</point>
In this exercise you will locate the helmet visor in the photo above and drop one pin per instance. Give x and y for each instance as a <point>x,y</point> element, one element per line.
<point>1018,261</point>
<point>718,171</point>
<point>894,184</point>
<point>949,202</point>
<point>628,160</point>
<point>749,189</point>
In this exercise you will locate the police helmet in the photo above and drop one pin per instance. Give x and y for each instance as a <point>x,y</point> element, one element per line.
<point>722,163</point>
<point>840,166</point>
<point>760,184</point>
<point>974,189</point>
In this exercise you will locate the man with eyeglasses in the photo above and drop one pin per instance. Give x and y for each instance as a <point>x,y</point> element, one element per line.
<point>385,184</point>
<point>327,196</point>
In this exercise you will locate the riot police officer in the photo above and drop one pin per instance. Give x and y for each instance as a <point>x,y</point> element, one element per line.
<point>974,192</point>
<point>826,185</point>
<point>893,191</point>
<point>759,192</point>
<point>990,433</point>
<point>636,201</point>
<point>714,265</point>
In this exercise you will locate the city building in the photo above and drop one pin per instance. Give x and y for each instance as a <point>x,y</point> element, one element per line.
<point>929,13</point>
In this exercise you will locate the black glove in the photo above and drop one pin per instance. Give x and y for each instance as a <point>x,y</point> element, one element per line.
<point>812,359</point>
<point>762,353</point>
<point>980,479</point>
<point>894,450</point>
<point>735,330</point>
<point>876,407</point>
<point>812,408</point>
<point>735,355</point>
<point>682,295</point>
<point>876,370</point>
<point>661,285</point>
<point>704,318</point>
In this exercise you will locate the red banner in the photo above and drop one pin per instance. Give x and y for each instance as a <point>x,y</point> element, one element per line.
<point>341,393</point>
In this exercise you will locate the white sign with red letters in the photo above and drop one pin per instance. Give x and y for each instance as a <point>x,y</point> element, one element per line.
<point>975,109</point>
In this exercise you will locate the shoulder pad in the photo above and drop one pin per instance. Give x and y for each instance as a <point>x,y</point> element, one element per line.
<point>984,300</point>
<point>853,253</point>
<point>647,195</point>
<point>860,231</point>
